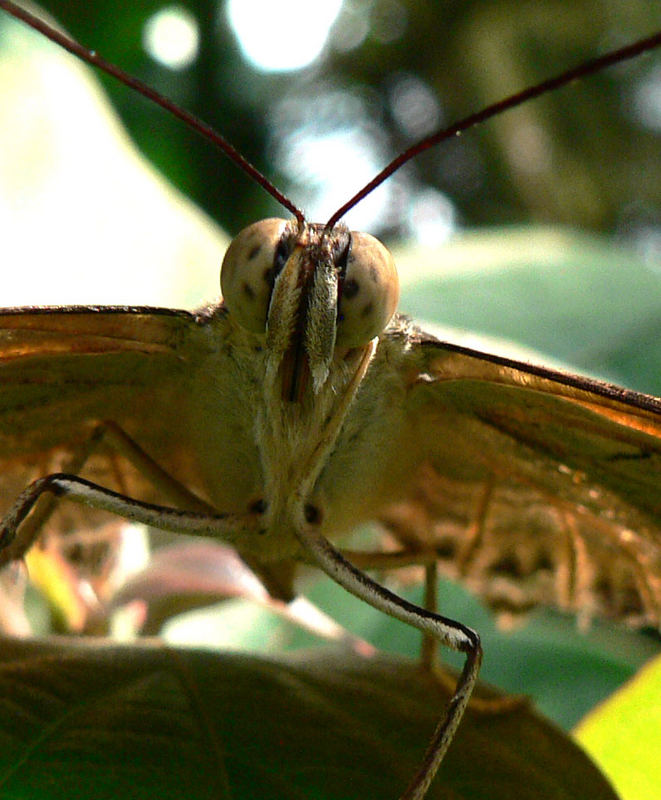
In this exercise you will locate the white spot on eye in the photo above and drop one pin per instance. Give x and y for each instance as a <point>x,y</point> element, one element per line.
<point>171,37</point>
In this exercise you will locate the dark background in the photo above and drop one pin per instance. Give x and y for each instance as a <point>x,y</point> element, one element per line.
<point>595,162</point>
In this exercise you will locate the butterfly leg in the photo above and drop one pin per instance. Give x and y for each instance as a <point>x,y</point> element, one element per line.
<point>227,527</point>
<point>430,660</point>
<point>276,584</point>
<point>175,491</point>
<point>429,653</point>
<point>398,560</point>
<point>115,437</point>
<point>445,631</point>
<point>299,609</point>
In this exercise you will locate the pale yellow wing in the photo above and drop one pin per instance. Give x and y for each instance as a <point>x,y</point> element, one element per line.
<point>64,370</point>
<point>534,486</point>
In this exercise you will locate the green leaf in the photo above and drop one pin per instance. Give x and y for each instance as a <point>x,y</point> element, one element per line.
<point>86,720</point>
<point>624,735</point>
<point>582,299</point>
<point>565,671</point>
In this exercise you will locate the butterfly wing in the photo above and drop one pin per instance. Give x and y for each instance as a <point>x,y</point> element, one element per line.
<point>64,370</point>
<point>535,486</point>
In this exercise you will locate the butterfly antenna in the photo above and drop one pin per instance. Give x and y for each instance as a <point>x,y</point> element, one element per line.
<point>198,125</point>
<point>581,71</point>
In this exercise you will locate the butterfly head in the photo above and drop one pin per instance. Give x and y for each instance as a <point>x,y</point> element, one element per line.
<point>314,293</point>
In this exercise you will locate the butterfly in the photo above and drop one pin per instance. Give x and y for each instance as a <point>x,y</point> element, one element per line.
<point>333,428</point>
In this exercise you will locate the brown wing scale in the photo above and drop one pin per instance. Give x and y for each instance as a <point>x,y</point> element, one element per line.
<point>535,487</point>
<point>64,370</point>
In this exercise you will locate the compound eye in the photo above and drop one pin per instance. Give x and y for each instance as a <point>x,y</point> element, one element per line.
<point>252,261</point>
<point>369,292</point>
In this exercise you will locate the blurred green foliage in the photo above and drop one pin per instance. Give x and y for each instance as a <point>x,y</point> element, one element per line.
<point>583,156</point>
